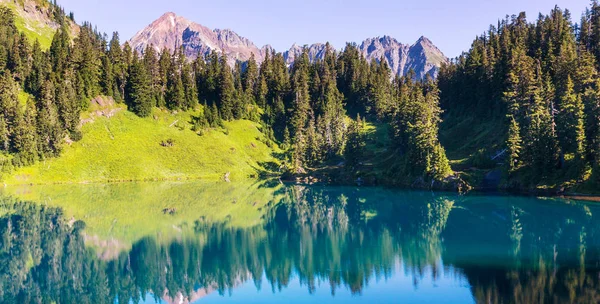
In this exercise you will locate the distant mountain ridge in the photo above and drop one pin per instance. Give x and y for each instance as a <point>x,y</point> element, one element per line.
<point>171,31</point>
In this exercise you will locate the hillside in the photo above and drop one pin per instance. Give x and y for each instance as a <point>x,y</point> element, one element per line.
<point>117,145</point>
<point>36,19</point>
<point>49,134</point>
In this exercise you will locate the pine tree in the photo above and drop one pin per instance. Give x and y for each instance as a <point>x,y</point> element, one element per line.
<point>262,86</point>
<point>542,142</point>
<point>216,116</point>
<point>313,147</point>
<point>226,88</point>
<point>107,80</point>
<point>380,95</point>
<point>301,104</point>
<point>138,95</point>
<point>514,145</point>
<point>39,70</point>
<point>50,132</point>
<point>59,50</point>
<point>241,103</point>
<point>24,135</point>
<point>116,58</point>
<point>416,127</point>
<point>189,84</point>
<point>85,57</point>
<point>4,136</point>
<point>250,77</point>
<point>298,152</point>
<point>286,138</point>
<point>335,114</point>
<point>152,67</point>
<point>353,152</point>
<point>175,92</point>
<point>164,67</point>
<point>9,104</point>
<point>570,121</point>
<point>211,79</point>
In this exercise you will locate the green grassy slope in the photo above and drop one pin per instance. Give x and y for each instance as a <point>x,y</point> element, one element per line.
<point>125,147</point>
<point>34,27</point>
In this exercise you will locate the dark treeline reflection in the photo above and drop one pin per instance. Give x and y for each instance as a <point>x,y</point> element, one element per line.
<point>508,249</point>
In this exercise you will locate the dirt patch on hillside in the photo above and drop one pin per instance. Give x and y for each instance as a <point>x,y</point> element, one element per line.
<point>105,108</point>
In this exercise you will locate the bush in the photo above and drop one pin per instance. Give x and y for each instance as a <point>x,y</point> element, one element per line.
<point>167,143</point>
<point>75,135</point>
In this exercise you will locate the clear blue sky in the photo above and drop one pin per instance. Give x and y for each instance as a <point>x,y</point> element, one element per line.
<point>450,24</point>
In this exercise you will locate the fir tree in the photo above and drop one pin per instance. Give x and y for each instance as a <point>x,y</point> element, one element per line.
<point>355,145</point>
<point>514,145</point>
<point>138,90</point>
<point>25,137</point>
<point>175,92</point>
<point>226,88</point>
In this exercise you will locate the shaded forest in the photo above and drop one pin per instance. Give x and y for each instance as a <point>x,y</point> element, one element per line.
<point>528,93</point>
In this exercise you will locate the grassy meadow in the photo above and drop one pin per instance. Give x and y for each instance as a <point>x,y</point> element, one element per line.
<point>119,146</point>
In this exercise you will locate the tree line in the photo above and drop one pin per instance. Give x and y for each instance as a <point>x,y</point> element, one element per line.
<point>309,108</point>
<point>345,238</point>
<point>539,81</point>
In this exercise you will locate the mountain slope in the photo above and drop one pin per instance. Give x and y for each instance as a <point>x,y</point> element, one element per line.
<point>171,31</point>
<point>35,18</point>
<point>315,52</point>
<point>423,57</point>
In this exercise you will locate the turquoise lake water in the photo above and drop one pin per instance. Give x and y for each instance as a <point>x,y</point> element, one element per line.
<point>305,245</point>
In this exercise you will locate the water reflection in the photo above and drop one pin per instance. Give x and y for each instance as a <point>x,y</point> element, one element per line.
<point>503,249</point>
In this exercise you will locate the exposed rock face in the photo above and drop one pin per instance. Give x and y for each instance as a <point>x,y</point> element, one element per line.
<point>38,15</point>
<point>171,31</point>
<point>423,57</point>
<point>315,52</point>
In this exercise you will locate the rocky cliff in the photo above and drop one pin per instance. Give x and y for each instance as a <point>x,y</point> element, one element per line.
<point>171,31</point>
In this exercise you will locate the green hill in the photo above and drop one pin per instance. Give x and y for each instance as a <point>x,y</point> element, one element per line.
<point>35,19</point>
<point>117,145</point>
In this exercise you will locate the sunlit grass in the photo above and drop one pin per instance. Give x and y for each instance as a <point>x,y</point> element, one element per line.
<point>33,29</point>
<point>125,147</point>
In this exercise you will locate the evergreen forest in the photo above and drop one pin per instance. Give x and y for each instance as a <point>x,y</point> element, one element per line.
<point>519,110</point>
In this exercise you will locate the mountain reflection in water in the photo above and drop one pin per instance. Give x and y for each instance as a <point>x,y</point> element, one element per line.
<point>327,244</point>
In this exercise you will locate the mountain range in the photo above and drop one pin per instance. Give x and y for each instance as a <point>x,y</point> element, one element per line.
<point>171,31</point>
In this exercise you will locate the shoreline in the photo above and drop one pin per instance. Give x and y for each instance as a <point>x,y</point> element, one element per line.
<point>312,181</point>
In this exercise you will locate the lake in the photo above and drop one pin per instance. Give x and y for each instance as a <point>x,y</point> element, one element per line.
<point>264,242</point>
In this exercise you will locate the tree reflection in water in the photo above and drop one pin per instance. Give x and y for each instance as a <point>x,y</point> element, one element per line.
<point>509,250</point>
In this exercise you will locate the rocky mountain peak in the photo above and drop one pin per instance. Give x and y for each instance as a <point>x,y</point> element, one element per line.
<point>424,40</point>
<point>168,16</point>
<point>423,57</point>
<point>315,52</point>
<point>171,31</point>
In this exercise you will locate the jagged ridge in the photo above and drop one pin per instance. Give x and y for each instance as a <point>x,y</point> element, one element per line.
<point>171,31</point>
